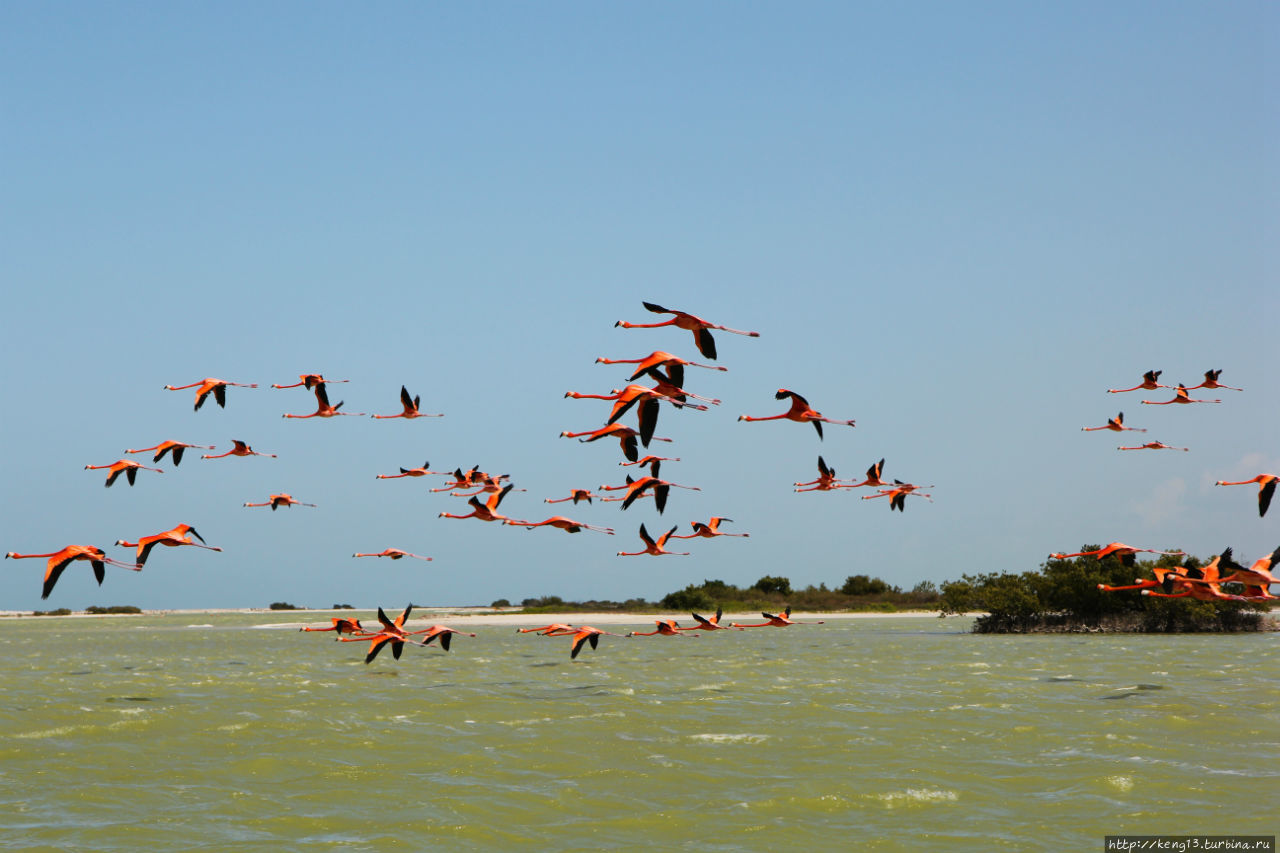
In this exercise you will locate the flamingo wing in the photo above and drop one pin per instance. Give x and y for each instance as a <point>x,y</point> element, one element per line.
<point>1265,494</point>
<point>706,344</point>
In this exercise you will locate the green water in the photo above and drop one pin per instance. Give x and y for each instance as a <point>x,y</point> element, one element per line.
<point>236,732</point>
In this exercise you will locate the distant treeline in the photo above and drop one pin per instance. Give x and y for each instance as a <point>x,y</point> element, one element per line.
<point>1063,595</point>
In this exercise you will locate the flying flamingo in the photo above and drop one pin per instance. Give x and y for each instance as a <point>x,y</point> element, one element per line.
<point>897,495</point>
<point>626,438</point>
<point>1266,489</point>
<point>461,480</point>
<point>410,405</point>
<point>487,511</point>
<point>1180,396</point>
<point>277,501</point>
<point>486,485</point>
<point>670,385</point>
<point>392,632</point>
<point>1154,445</point>
<point>1148,383</point>
<point>649,460</point>
<point>165,446</point>
<point>411,472</point>
<point>710,530</point>
<point>657,358</point>
<point>555,629</point>
<point>393,553</point>
<point>340,625</point>
<point>575,496</point>
<point>800,412</point>
<point>874,474</point>
<point>1211,381</point>
<point>310,381</point>
<point>126,466</point>
<point>1257,578</point>
<point>178,536</point>
<point>1160,573</point>
<point>1125,552</point>
<point>1115,424</point>
<point>666,627</point>
<point>826,480</point>
<point>59,560</point>
<point>661,488</point>
<point>323,409</point>
<point>712,624</point>
<point>566,524</point>
<point>239,448</point>
<point>217,386</point>
<point>439,632</point>
<point>1202,584</point>
<point>701,328</point>
<point>581,636</point>
<point>776,621</point>
<point>653,548</point>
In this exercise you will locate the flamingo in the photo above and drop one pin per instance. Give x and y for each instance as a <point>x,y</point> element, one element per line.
<point>897,495</point>
<point>1201,584</point>
<point>575,495</point>
<point>1257,578</point>
<point>122,466</point>
<point>59,560</point>
<point>310,381</point>
<point>712,624</point>
<point>165,446</point>
<point>670,386</point>
<point>410,472</point>
<point>566,524</point>
<point>487,511</point>
<point>660,488</point>
<point>657,358</point>
<point>555,629</point>
<point>581,636</point>
<point>653,548</point>
<point>487,484</point>
<point>626,438</point>
<point>340,625</point>
<point>1115,424</point>
<point>277,501</point>
<point>393,553</point>
<point>1126,553</point>
<point>239,448</point>
<point>217,386</point>
<point>874,474</point>
<point>392,632</point>
<point>1154,445</point>
<point>701,328</point>
<point>178,536</point>
<point>1138,583</point>
<point>461,480</point>
<point>1148,383</point>
<point>1180,396</point>
<point>1211,381</point>
<point>826,480</point>
<point>649,460</point>
<point>666,627</point>
<point>323,409</point>
<point>776,621</point>
<point>710,530</point>
<point>1266,489</point>
<point>410,405</point>
<point>800,412</point>
<point>439,632</point>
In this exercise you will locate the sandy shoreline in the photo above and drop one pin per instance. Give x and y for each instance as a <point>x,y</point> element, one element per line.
<point>462,616</point>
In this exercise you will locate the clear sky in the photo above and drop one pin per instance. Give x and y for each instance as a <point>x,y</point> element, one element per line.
<point>957,223</point>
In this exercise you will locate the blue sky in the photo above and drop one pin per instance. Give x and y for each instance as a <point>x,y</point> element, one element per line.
<point>958,224</point>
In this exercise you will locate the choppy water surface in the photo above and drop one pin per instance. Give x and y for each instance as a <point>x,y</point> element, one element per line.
<point>224,732</point>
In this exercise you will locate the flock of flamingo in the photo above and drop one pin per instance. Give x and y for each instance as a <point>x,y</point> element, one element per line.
<point>667,372</point>
<point>1201,583</point>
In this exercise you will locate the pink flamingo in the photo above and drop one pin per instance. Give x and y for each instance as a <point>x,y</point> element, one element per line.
<point>487,511</point>
<point>666,627</point>
<point>122,466</point>
<point>310,381</point>
<point>701,328</point>
<point>826,480</point>
<point>800,412</point>
<point>776,621</point>
<point>710,530</point>
<point>439,632</point>
<point>559,521</point>
<point>277,501</point>
<point>411,407</point>
<point>649,460</point>
<point>1126,553</point>
<point>323,408</point>
<point>165,446</point>
<point>59,560</point>
<point>1115,424</point>
<point>1180,396</point>
<point>661,488</point>
<point>1211,381</point>
<point>1266,489</point>
<point>341,625</point>
<point>626,438</point>
<point>897,495</point>
<point>874,474</point>
<point>239,448</point>
<point>177,536</point>
<point>392,633</point>
<point>393,553</point>
<point>1155,445</point>
<point>555,629</point>
<point>652,547</point>
<point>1257,578</point>
<point>1148,383</point>
<point>217,386</point>
<point>410,472</point>
<point>657,358</point>
<point>576,495</point>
